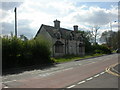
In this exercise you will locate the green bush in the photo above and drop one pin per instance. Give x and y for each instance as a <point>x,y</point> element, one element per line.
<point>101,49</point>
<point>19,53</point>
<point>98,51</point>
<point>11,51</point>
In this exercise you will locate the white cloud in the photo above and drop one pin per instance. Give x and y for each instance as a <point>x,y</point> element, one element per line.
<point>33,13</point>
<point>95,15</point>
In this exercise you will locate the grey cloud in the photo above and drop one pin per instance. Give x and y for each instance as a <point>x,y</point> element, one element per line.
<point>28,32</point>
<point>23,28</point>
<point>7,28</point>
<point>97,17</point>
<point>9,5</point>
<point>23,22</point>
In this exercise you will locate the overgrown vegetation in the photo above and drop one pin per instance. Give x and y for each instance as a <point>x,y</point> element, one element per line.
<point>73,58</point>
<point>19,53</point>
<point>111,39</point>
<point>95,48</point>
<point>101,49</point>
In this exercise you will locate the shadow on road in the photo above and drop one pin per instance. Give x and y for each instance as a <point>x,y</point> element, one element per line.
<point>29,68</point>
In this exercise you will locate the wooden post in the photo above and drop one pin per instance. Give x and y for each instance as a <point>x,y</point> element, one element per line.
<point>15,10</point>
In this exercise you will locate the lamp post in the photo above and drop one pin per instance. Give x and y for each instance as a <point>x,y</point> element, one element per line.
<point>15,10</point>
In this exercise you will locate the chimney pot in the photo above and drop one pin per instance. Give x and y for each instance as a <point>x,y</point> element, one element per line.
<point>57,24</point>
<point>75,27</point>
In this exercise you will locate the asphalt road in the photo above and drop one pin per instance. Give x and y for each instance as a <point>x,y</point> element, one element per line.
<point>100,80</point>
<point>66,74</point>
<point>116,69</point>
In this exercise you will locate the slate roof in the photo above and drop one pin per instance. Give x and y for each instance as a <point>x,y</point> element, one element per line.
<point>65,33</point>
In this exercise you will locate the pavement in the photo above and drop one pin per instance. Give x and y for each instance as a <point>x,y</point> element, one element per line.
<point>66,74</point>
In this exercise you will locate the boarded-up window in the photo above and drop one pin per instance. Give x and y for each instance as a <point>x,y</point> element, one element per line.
<point>59,47</point>
<point>80,47</point>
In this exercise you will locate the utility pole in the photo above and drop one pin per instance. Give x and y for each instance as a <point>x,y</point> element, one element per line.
<point>15,10</point>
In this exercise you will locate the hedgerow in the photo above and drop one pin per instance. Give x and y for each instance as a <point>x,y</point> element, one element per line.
<point>19,53</point>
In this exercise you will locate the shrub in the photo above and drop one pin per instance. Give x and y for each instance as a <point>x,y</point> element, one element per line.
<point>19,53</point>
<point>11,51</point>
<point>101,49</point>
<point>98,51</point>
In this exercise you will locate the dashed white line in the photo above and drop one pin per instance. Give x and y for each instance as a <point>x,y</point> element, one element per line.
<point>89,78</point>
<point>97,75</point>
<point>86,80</point>
<point>102,73</point>
<point>81,82</point>
<point>71,86</point>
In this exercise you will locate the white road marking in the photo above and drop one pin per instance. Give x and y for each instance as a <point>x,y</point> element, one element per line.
<point>89,63</point>
<point>71,86</point>
<point>47,74</point>
<point>89,78</point>
<point>5,87</point>
<point>97,75</point>
<point>68,69</point>
<point>102,73</point>
<point>9,81</point>
<point>86,79</point>
<point>81,82</point>
<point>115,70</point>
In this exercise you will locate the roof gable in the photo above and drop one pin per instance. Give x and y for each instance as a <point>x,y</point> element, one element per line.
<point>65,33</point>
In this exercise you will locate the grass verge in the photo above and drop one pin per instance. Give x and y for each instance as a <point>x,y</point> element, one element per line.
<point>73,57</point>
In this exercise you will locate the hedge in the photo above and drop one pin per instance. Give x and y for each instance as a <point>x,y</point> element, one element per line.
<point>19,53</point>
<point>101,49</point>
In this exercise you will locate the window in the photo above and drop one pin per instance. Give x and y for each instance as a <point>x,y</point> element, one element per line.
<point>80,47</point>
<point>58,35</point>
<point>58,47</point>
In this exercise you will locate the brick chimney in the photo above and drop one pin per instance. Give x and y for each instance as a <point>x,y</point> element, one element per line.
<point>57,24</point>
<point>75,28</point>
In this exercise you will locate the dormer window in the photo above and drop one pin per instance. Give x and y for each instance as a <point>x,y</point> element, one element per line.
<point>71,36</point>
<point>58,35</point>
<point>80,38</point>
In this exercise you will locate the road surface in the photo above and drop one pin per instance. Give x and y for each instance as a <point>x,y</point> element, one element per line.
<point>67,75</point>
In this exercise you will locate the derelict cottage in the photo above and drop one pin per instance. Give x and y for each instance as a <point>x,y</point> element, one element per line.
<point>64,41</point>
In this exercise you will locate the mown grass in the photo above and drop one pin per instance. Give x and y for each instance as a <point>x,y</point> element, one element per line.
<point>72,58</point>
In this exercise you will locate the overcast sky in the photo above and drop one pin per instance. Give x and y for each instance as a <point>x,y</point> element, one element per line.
<point>32,13</point>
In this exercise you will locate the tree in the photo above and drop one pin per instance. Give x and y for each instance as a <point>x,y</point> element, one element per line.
<point>111,39</point>
<point>95,32</point>
<point>86,38</point>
